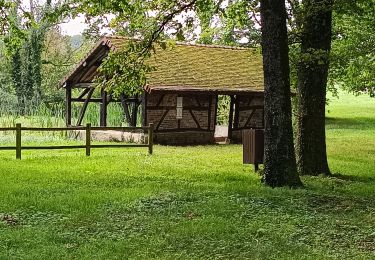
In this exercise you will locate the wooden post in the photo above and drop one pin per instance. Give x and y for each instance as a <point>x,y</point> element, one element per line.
<point>88,139</point>
<point>209,113</point>
<point>150,137</point>
<point>103,108</point>
<point>68,104</point>
<point>18,141</point>
<point>144,108</point>
<point>230,123</point>
<point>215,110</point>
<point>135,111</point>
<point>84,107</point>
<point>236,113</point>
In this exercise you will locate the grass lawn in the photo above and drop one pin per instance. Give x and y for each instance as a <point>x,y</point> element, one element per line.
<point>191,202</point>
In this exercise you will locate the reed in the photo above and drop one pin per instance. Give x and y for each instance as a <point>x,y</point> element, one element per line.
<point>53,115</point>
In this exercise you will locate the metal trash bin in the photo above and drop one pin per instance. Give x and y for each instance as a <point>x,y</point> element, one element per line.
<point>253,147</point>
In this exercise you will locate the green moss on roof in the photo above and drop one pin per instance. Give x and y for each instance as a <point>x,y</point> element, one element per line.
<point>203,66</point>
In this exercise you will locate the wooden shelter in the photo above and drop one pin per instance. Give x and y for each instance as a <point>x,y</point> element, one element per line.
<point>181,94</point>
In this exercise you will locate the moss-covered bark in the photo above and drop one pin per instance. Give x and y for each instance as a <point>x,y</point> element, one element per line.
<point>311,87</point>
<point>279,157</point>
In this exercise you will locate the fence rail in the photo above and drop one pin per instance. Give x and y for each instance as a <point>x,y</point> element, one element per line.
<point>88,129</point>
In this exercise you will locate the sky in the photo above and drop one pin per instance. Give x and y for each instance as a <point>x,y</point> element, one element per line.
<point>77,25</point>
<point>69,27</point>
<point>73,26</point>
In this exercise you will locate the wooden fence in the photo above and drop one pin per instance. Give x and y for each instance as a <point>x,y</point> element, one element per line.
<point>88,129</point>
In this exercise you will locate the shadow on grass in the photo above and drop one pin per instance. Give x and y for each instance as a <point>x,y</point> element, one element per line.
<point>353,178</point>
<point>360,123</point>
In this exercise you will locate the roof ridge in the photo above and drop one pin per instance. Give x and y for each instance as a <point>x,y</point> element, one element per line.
<point>217,46</point>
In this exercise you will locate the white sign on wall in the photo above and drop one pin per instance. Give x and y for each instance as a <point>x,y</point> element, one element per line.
<point>179,101</point>
<point>179,113</point>
<point>179,108</point>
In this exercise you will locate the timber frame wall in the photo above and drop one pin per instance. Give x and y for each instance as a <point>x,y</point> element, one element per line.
<point>197,125</point>
<point>247,113</point>
<point>82,78</point>
<point>199,115</point>
<point>130,105</point>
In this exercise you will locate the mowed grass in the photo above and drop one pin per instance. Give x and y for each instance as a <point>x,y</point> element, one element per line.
<point>191,202</point>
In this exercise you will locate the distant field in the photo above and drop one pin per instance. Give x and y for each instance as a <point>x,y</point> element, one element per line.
<point>191,202</point>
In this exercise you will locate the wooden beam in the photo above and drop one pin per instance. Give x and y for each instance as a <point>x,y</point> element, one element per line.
<point>84,92</point>
<point>249,100</point>
<point>83,85</point>
<point>80,100</point>
<point>97,100</point>
<point>144,108</point>
<point>236,113</point>
<point>195,108</point>
<point>183,130</point>
<point>134,116</point>
<point>160,100</point>
<point>68,104</point>
<point>216,105</point>
<point>230,122</point>
<point>162,119</point>
<point>103,108</point>
<point>197,100</point>
<point>249,118</point>
<point>98,57</point>
<point>209,112</point>
<point>83,110</point>
<point>195,119</point>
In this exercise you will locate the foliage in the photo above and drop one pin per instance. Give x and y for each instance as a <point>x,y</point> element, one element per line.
<point>223,108</point>
<point>35,57</point>
<point>60,54</point>
<point>190,202</point>
<point>128,76</point>
<point>232,23</point>
<point>353,53</point>
<point>150,21</point>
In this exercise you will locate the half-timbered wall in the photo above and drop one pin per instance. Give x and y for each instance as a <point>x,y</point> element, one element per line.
<point>249,113</point>
<point>197,125</point>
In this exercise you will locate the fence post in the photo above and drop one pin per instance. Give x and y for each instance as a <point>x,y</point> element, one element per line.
<point>18,141</point>
<point>88,139</point>
<point>150,137</point>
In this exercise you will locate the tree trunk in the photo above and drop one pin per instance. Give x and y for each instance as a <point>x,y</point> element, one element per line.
<point>279,157</point>
<point>311,87</point>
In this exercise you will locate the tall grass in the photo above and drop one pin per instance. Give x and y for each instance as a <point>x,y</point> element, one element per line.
<point>53,116</point>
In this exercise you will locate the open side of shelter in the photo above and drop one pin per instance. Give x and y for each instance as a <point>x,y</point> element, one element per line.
<point>181,94</point>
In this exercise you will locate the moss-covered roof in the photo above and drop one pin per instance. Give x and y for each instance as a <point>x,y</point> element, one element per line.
<point>204,66</point>
<point>196,66</point>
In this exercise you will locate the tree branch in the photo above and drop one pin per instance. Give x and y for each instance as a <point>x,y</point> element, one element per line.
<point>165,21</point>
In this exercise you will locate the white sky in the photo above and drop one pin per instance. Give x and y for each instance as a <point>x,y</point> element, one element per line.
<point>69,27</point>
<point>77,25</point>
<point>74,26</point>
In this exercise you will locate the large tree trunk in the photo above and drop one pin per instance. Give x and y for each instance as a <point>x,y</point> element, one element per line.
<point>279,157</point>
<point>311,87</point>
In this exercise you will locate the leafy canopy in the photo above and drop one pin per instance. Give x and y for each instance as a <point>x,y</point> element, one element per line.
<point>156,21</point>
